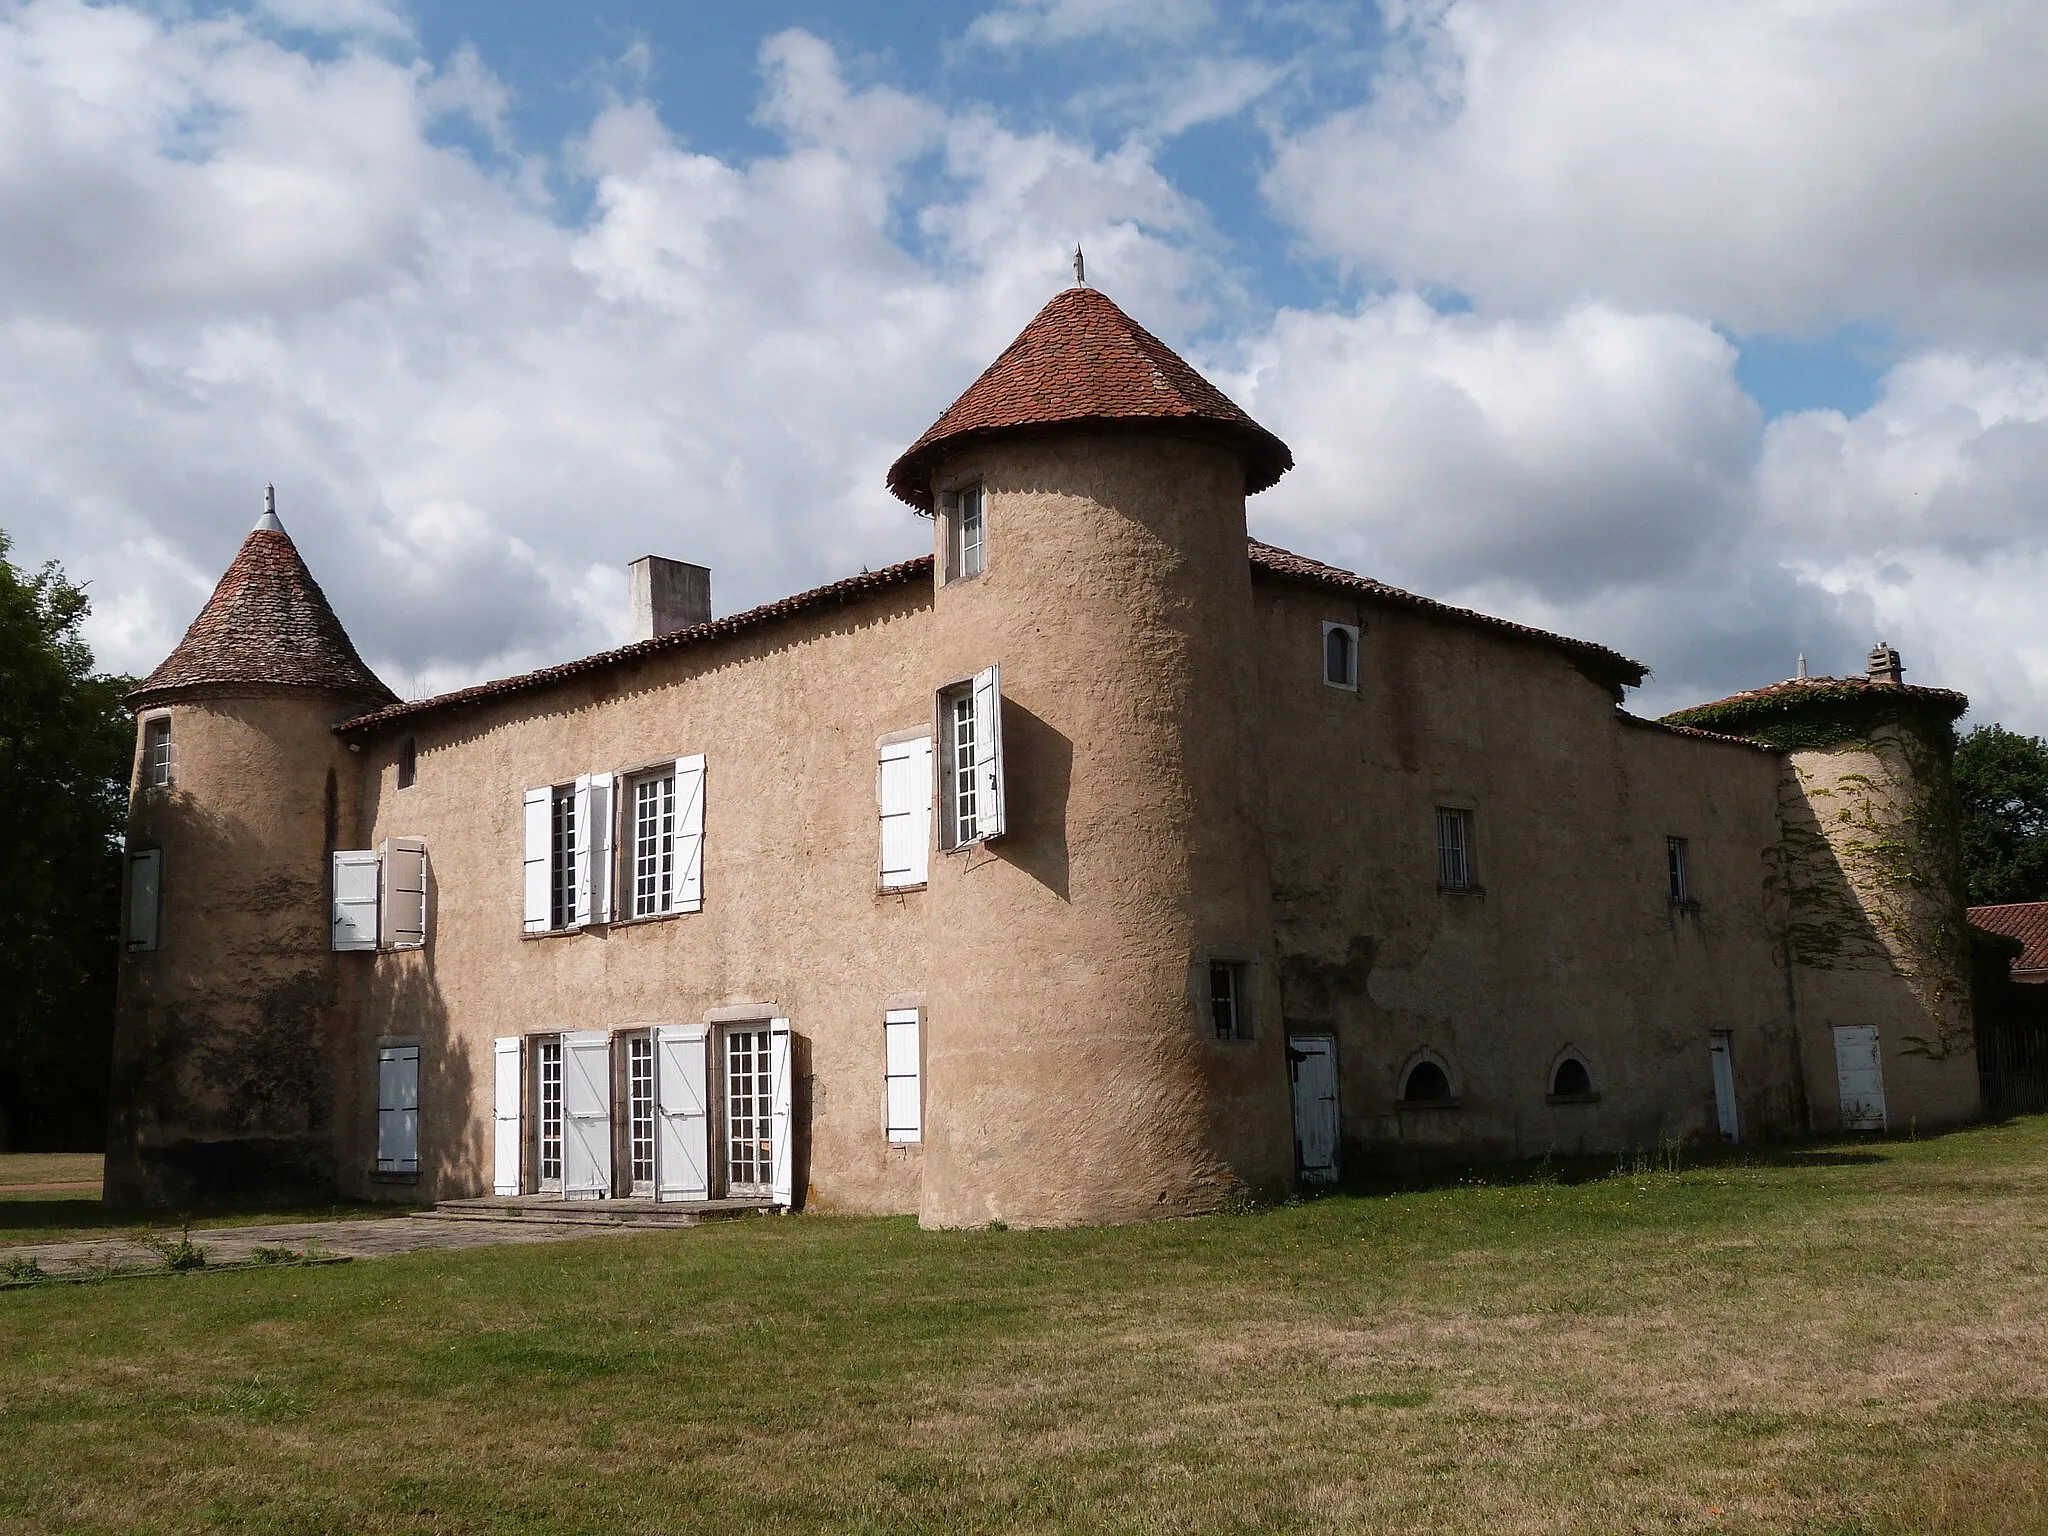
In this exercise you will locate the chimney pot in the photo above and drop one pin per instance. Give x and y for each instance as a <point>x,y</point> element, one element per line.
<point>667,595</point>
<point>1885,666</point>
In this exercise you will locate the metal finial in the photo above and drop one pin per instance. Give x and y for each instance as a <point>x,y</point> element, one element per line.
<point>1080,267</point>
<point>268,521</point>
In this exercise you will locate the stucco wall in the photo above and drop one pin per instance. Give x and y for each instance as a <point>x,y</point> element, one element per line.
<point>1571,940</point>
<point>227,1042</point>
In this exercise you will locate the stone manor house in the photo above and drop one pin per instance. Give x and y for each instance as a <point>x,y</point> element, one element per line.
<point>1093,866</point>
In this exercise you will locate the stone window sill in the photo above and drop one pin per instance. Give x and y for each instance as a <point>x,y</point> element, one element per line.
<point>1407,1107</point>
<point>1571,1098</point>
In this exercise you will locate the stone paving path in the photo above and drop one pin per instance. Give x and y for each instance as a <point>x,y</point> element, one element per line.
<point>373,1239</point>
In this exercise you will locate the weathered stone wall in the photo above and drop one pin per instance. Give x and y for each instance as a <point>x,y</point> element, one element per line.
<point>229,1039</point>
<point>1571,940</point>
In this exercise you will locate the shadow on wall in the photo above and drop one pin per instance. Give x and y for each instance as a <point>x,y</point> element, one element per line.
<point>1038,771</point>
<point>221,1089</point>
<point>454,1137</point>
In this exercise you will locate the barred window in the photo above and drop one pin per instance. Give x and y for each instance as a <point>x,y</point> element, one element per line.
<point>1454,849</point>
<point>1229,1004</point>
<point>1674,861</point>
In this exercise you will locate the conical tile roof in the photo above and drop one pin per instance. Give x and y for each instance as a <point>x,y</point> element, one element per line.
<point>267,622</point>
<point>1083,361</point>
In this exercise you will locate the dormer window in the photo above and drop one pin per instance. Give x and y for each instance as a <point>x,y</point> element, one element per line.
<point>966,549</point>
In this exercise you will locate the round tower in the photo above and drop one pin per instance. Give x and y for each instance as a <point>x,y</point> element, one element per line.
<point>225,1048</point>
<point>1088,493</point>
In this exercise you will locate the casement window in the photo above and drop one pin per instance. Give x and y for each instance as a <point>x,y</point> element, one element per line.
<point>145,898</point>
<point>966,536</point>
<point>568,835</point>
<point>159,757</point>
<point>640,1114</point>
<point>1674,864</point>
<point>398,1109</point>
<point>408,762</point>
<point>1340,656</point>
<point>666,815</point>
<point>380,896</point>
<point>904,791</point>
<point>757,1117</point>
<point>1454,867</point>
<point>548,1096</point>
<point>970,730</point>
<point>903,1067</point>
<point>1230,1003</point>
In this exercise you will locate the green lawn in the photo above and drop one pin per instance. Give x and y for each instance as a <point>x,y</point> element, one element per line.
<point>1849,1338</point>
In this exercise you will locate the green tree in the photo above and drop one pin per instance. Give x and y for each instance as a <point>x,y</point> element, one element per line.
<point>2002,779</point>
<point>65,749</point>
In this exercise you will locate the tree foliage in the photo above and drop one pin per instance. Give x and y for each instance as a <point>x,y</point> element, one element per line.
<point>65,749</point>
<point>2002,780</point>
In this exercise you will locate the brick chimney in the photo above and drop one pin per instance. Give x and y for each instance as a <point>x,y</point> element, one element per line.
<point>667,595</point>
<point>1885,666</point>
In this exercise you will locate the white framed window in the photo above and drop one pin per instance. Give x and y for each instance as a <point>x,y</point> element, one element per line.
<point>966,533</point>
<point>903,792</point>
<point>640,1114</point>
<point>159,756</point>
<point>1340,656</point>
<point>562,829</point>
<point>664,812</point>
<point>547,1060</point>
<point>1230,999</point>
<point>398,1109</point>
<point>145,898</point>
<point>903,1068</point>
<point>568,835</point>
<point>1675,869</point>
<point>1454,866</point>
<point>970,730</point>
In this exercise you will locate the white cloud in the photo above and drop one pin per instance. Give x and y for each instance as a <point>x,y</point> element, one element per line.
<point>1016,23</point>
<point>1770,164</point>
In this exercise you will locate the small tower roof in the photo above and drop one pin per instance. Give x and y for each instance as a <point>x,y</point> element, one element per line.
<point>268,623</point>
<point>1084,362</point>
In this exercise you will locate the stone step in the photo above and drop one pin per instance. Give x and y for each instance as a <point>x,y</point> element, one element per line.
<point>591,1213</point>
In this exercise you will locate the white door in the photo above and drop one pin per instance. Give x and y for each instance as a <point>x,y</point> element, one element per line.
<point>749,1112</point>
<point>1860,1077</point>
<point>587,1115</point>
<point>506,1146</point>
<point>1312,1068</point>
<point>1724,1087</point>
<point>682,1152</point>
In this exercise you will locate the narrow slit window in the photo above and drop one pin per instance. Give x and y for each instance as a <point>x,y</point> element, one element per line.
<point>1340,656</point>
<point>1675,865</point>
<point>966,544</point>
<point>562,859</point>
<point>640,1111</point>
<point>550,1061</point>
<point>654,845</point>
<point>1454,848</point>
<point>1229,1007</point>
<point>408,762</point>
<point>156,752</point>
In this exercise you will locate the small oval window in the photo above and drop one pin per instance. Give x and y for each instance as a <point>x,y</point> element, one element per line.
<point>1572,1079</point>
<point>1427,1083</point>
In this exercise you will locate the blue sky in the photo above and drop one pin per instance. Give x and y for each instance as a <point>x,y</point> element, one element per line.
<point>1717,338</point>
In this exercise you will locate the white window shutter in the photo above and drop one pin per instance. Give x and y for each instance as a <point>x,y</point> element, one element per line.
<point>988,748</point>
<point>689,882</point>
<point>538,804</point>
<point>594,847</point>
<point>507,1145</point>
<point>587,1115</point>
<point>682,1152</point>
<point>145,897</point>
<point>781,1188</point>
<point>355,899</point>
<point>398,1109</point>
<point>903,1068</point>
<point>402,918</point>
<point>905,775</point>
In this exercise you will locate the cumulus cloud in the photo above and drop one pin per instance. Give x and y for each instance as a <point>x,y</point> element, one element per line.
<point>1018,22</point>
<point>1769,164</point>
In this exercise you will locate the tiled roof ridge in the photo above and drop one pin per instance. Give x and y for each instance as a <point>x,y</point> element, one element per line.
<point>2026,921</point>
<point>1080,361</point>
<point>784,607</point>
<point>1792,688</point>
<point>267,624</point>
<point>1282,562</point>
<point>1643,722</point>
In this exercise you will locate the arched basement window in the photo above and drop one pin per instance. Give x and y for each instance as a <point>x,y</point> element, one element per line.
<point>1340,656</point>
<point>1427,1083</point>
<point>1571,1080</point>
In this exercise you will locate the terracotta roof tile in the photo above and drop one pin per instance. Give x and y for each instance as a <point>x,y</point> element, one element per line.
<point>1610,668</point>
<point>1082,360</point>
<point>1794,690</point>
<point>2026,921</point>
<point>1693,731</point>
<point>267,622</point>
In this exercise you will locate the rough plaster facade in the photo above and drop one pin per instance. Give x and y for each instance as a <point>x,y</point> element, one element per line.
<point>1183,786</point>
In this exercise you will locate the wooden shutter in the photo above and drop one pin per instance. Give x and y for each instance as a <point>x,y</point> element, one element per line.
<point>782,1184</point>
<point>682,1150</point>
<point>988,751</point>
<point>145,897</point>
<point>355,899</point>
<point>507,1144</point>
<point>538,803</point>
<point>587,1115</point>
<point>903,1067</point>
<point>398,1109</point>
<point>598,834</point>
<point>402,916</point>
<point>1859,1075</point>
<point>689,878</point>
<point>905,773</point>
